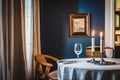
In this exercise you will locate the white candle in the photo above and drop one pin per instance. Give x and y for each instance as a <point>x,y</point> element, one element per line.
<point>93,41</point>
<point>101,42</point>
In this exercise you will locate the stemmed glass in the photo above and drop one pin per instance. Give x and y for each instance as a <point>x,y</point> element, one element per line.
<point>78,49</point>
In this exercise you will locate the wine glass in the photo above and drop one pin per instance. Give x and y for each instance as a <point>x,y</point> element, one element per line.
<point>78,49</point>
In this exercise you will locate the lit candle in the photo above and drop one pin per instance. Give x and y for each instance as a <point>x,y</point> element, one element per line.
<point>93,40</point>
<point>101,42</point>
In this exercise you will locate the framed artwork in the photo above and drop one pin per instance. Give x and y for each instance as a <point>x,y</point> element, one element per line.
<point>79,25</point>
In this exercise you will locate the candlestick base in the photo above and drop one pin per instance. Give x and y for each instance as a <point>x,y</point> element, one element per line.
<point>92,60</point>
<point>103,62</point>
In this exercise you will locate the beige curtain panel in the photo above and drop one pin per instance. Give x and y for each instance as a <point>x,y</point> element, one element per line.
<point>14,59</point>
<point>13,62</point>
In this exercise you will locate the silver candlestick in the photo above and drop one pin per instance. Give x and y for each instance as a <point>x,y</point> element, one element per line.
<point>93,59</point>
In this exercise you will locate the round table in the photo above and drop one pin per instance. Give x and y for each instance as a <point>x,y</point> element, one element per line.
<point>72,69</point>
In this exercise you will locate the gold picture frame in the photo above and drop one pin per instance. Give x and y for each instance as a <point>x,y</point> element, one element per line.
<point>79,25</point>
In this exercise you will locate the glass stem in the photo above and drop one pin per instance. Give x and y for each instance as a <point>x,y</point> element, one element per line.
<point>78,57</point>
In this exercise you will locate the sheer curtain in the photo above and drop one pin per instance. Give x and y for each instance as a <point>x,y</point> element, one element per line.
<point>29,36</point>
<point>32,23</point>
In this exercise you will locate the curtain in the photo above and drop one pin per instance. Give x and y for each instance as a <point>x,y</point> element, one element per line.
<point>2,65</point>
<point>13,62</point>
<point>36,33</point>
<point>13,41</point>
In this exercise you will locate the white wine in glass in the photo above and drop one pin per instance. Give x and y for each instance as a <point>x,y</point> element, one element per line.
<point>78,49</point>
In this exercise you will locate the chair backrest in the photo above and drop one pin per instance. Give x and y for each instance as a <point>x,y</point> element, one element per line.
<point>97,51</point>
<point>43,66</point>
<point>89,51</point>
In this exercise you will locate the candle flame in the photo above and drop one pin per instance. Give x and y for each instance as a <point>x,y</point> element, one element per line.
<point>101,34</point>
<point>93,32</point>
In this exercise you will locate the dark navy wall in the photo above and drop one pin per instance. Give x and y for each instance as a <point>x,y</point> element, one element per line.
<point>55,38</point>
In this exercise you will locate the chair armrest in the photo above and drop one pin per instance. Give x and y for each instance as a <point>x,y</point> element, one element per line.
<point>46,64</point>
<point>51,57</point>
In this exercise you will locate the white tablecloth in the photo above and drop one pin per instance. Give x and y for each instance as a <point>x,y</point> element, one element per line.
<point>71,69</point>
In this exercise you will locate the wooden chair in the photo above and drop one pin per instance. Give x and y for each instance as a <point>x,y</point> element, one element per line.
<point>97,51</point>
<point>43,67</point>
